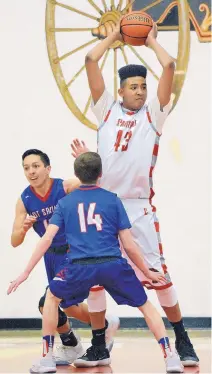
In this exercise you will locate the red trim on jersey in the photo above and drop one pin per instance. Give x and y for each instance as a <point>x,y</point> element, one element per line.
<point>148,116</point>
<point>155,149</point>
<point>107,115</point>
<point>131,113</point>
<point>150,121</point>
<point>151,171</point>
<point>88,188</point>
<point>156,226</point>
<point>43,198</point>
<point>95,289</point>
<point>151,193</point>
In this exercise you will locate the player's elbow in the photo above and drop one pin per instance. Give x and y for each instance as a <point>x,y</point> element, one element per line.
<point>170,64</point>
<point>89,58</point>
<point>14,243</point>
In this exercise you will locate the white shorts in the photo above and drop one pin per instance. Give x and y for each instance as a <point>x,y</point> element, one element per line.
<point>145,231</point>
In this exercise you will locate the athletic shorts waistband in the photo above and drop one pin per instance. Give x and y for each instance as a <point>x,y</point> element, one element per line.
<point>95,260</point>
<point>62,249</point>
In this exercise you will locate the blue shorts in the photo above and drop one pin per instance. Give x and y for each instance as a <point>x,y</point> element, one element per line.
<point>74,281</point>
<point>53,262</point>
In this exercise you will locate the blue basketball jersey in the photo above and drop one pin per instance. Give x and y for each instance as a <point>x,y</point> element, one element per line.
<point>92,218</point>
<point>43,207</point>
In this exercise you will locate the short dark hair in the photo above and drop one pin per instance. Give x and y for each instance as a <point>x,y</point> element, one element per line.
<point>131,70</point>
<point>37,152</point>
<point>88,167</point>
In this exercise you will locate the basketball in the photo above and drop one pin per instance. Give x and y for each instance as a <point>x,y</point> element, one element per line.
<point>135,27</point>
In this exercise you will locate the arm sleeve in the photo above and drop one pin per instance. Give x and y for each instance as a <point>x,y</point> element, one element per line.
<point>102,106</point>
<point>123,220</point>
<point>57,217</point>
<point>158,114</point>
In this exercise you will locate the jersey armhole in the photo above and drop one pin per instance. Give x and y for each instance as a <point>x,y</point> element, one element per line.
<point>151,123</point>
<point>107,116</point>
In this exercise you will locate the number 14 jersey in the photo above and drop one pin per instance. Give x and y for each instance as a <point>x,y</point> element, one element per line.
<point>128,145</point>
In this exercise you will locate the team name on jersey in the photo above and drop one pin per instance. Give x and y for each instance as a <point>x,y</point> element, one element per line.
<point>43,212</point>
<point>127,124</point>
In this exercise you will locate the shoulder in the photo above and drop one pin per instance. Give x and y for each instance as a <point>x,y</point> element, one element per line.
<point>67,198</point>
<point>102,107</point>
<point>106,98</point>
<point>58,181</point>
<point>108,194</point>
<point>155,106</point>
<point>26,193</point>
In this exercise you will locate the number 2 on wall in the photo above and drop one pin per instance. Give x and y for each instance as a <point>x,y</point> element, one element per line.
<point>127,138</point>
<point>92,219</point>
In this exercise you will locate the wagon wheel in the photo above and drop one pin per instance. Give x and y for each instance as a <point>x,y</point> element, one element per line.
<point>105,14</point>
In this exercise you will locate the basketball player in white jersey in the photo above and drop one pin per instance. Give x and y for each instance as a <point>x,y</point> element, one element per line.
<point>128,140</point>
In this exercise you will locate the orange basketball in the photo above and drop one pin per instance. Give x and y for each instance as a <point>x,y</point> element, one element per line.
<point>135,27</point>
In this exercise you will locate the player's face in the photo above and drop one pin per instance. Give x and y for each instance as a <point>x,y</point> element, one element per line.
<point>134,93</point>
<point>35,171</point>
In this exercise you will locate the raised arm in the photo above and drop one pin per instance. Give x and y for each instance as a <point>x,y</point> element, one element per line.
<point>21,224</point>
<point>135,256</point>
<point>95,78</point>
<point>167,62</point>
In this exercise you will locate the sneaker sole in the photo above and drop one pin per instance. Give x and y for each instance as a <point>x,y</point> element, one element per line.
<point>191,363</point>
<point>87,364</point>
<point>175,369</point>
<point>62,363</point>
<point>45,370</point>
<point>66,362</point>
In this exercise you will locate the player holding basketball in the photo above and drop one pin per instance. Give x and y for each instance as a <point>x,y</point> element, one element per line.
<point>128,141</point>
<point>38,201</point>
<point>93,218</point>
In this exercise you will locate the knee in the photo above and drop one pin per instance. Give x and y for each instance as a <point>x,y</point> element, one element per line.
<point>41,303</point>
<point>62,318</point>
<point>48,295</point>
<point>167,297</point>
<point>97,301</point>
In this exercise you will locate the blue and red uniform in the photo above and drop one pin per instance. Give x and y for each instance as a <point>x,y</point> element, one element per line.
<point>42,207</point>
<point>92,218</point>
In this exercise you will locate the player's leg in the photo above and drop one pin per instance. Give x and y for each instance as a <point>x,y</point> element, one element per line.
<point>97,307</point>
<point>70,347</point>
<point>146,233</point>
<point>183,344</point>
<point>156,325</point>
<point>125,288</point>
<point>103,330</point>
<point>79,312</point>
<point>169,301</point>
<point>97,354</point>
<point>79,282</point>
<point>94,315</point>
<point>47,363</point>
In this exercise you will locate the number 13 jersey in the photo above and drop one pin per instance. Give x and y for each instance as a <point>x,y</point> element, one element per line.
<point>128,145</point>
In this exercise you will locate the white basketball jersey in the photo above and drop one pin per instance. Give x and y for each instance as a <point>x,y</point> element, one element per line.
<point>128,145</point>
